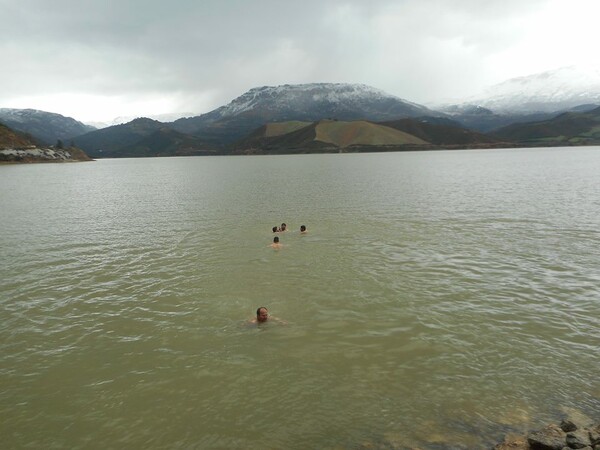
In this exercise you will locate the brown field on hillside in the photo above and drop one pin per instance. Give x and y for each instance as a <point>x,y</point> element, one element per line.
<point>345,134</point>
<point>11,139</point>
<point>280,128</point>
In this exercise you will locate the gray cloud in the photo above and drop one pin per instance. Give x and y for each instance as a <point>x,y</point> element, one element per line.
<point>204,53</point>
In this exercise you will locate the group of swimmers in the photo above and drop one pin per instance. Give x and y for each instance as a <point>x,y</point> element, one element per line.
<point>262,313</point>
<point>281,229</point>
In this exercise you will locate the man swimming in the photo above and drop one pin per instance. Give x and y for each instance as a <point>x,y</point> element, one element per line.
<point>276,244</point>
<point>262,315</point>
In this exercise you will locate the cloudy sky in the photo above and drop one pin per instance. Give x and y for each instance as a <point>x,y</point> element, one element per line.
<point>95,60</point>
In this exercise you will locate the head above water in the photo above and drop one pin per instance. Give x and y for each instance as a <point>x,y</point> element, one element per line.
<point>302,227</point>
<point>283,226</point>
<point>276,240</point>
<point>262,314</point>
<point>275,230</point>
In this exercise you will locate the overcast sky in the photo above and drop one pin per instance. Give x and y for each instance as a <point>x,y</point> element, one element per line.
<point>95,60</point>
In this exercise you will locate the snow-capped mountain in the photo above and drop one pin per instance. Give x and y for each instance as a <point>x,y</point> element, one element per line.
<point>305,102</point>
<point>46,126</point>
<point>550,91</point>
<point>334,97</point>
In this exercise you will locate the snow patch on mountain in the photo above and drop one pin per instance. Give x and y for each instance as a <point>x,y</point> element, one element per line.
<point>282,96</point>
<point>20,115</point>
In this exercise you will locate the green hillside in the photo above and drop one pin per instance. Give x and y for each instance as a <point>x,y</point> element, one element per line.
<point>165,142</point>
<point>440,134</point>
<point>107,141</point>
<point>571,128</point>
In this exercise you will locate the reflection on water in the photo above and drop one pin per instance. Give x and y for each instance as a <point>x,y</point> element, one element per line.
<point>439,299</point>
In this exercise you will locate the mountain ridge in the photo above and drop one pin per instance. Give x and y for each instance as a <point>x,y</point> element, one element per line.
<point>220,130</point>
<point>48,127</point>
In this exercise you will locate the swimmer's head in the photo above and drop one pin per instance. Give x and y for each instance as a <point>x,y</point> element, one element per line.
<point>262,314</point>
<point>276,240</point>
<point>274,229</point>
<point>302,228</point>
<point>283,226</point>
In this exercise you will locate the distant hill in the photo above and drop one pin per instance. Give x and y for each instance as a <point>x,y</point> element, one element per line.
<point>485,121</point>
<point>165,142</point>
<point>107,141</point>
<point>168,117</point>
<point>570,128</point>
<point>142,138</point>
<point>303,102</point>
<point>45,126</point>
<point>445,133</point>
<point>18,147</point>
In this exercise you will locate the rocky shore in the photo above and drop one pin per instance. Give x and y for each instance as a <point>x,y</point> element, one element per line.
<point>569,434</point>
<point>33,154</point>
<point>576,431</point>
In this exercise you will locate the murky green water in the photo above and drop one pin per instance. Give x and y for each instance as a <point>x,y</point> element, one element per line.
<point>439,300</point>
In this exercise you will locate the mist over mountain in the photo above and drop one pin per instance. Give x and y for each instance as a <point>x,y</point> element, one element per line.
<point>45,126</point>
<point>555,90</point>
<point>545,92</point>
<point>530,98</point>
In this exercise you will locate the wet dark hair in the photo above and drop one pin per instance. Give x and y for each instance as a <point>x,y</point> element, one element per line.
<point>274,229</point>
<point>276,239</point>
<point>302,227</point>
<point>258,310</point>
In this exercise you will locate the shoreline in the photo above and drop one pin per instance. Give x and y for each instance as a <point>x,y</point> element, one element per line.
<point>571,433</point>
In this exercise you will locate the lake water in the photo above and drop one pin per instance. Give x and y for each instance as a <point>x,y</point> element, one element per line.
<point>439,300</point>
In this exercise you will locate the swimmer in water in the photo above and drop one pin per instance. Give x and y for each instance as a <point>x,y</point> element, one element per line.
<point>303,229</point>
<point>262,316</point>
<point>283,227</point>
<point>276,243</point>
